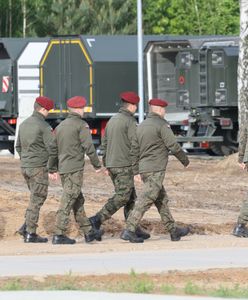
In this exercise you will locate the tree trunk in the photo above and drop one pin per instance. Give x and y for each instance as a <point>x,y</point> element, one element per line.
<point>10,18</point>
<point>24,23</point>
<point>243,65</point>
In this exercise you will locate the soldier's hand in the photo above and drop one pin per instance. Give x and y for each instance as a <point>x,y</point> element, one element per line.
<point>99,170</point>
<point>242,166</point>
<point>106,172</point>
<point>137,178</point>
<point>53,176</point>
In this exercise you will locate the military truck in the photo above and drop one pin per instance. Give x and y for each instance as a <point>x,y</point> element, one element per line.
<point>199,74</point>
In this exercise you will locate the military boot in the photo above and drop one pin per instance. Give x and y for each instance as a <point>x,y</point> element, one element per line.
<point>95,222</point>
<point>22,230</point>
<point>130,236</point>
<point>178,232</point>
<point>142,234</point>
<point>93,234</point>
<point>240,230</point>
<point>62,240</point>
<point>34,238</point>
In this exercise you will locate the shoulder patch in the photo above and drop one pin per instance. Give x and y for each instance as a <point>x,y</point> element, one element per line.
<point>168,125</point>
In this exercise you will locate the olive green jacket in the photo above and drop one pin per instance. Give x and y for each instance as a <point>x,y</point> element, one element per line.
<point>34,141</point>
<point>73,141</point>
<point>116,144</point>
<point>151,147</point>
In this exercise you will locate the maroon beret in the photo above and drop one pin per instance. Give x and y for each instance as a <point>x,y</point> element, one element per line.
<point>45,102</point>
<point>130,97</point>
<point>76,102</point>
<point>158,102</point>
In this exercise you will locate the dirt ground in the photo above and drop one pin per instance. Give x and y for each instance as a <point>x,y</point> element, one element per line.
<point>207,195</point>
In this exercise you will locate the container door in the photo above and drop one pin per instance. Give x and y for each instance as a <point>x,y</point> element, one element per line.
<point>66,71</point>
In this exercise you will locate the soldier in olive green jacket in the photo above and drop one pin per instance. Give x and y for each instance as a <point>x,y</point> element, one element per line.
<point>150,151</point>
<point>34,147</point>
<point>116,147</point>
<point>73,141</point>
<point>240,229</point>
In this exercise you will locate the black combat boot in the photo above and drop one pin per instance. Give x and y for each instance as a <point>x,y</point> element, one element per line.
<point>178,232</point>
<point>93,234</point>
<point>22,230</point>
<point>142,234</point>
<point>240,230</point>
<point>95,222</point>
<point>34,238</point>
<point>131,237</point>
<point>62,240</point>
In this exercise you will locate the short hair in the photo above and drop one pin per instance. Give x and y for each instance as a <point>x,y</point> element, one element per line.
<point>125,104</point>
<point>37,106</point>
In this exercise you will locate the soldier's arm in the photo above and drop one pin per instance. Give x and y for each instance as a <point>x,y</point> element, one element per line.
<point>103,147</point>
<point>50,142</point>
<point>87,144</point>
<point>243,148</point>
<point>134,153</point>
<point>172,145</point>
<point>18,145</point>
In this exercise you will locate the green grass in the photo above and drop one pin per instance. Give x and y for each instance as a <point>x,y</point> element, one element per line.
<point>133,283</point>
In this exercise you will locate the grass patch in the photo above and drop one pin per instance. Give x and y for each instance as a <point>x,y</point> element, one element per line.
<point>166,284</point>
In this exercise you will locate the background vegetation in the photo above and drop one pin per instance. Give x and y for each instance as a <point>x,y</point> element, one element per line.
<point>20,18</point>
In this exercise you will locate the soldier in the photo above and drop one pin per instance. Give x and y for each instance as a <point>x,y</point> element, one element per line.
<point>240,229</point>
<point>116,147</point>
<point>73,141</point>
<point>34,147</point>
<point>151,148</point>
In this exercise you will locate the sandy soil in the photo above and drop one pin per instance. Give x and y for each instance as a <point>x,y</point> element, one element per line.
<point>207,196</point>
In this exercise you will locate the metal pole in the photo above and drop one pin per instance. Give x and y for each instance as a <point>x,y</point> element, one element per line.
<point>140,60</point>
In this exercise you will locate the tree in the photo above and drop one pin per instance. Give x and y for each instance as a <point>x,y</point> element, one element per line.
<point>191,17</point>
<point>243,65</point>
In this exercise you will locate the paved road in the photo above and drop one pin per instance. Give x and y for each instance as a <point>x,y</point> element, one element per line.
<point>91,296</point>
<point>124,262</point>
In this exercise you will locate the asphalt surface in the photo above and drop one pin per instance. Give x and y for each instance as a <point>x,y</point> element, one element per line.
<point>124,262</point>
<point>65,295</point>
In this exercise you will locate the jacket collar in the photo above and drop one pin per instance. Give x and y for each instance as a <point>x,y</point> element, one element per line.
<point>38,115</point>
<point>125,111</point>
<point>154,115</point>
<point>74,115</point>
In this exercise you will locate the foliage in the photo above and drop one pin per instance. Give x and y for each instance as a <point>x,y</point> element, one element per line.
<point>57,17</point>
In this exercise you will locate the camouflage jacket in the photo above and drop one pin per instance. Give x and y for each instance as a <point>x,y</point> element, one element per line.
<point>73,141</point>
<point>34,141</point>
<point>116,144</point>
<point>153,142</point>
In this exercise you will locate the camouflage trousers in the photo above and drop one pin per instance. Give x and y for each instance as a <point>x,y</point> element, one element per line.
<point>37,181</point>
<point>243,216</point>
<point>124,196</point>
<point>154,192</point>
<point>72,199</point>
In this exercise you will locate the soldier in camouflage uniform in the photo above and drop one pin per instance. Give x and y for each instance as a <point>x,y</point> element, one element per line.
<point>34,147</point>
<point>73,141</point>
<point>150,150</point>
<point>240,229</point>
<point>116,147</point>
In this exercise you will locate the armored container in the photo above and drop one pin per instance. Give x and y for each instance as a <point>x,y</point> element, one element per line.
<point>10,51</point>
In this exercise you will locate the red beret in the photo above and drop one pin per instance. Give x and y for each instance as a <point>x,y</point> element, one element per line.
<point>45,102</point>
<point>158,102</point>
<point>76,102</point>
<point>130,97</point>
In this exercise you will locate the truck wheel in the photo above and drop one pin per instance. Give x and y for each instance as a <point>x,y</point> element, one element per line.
<point>219,149</point>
